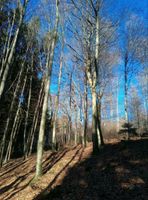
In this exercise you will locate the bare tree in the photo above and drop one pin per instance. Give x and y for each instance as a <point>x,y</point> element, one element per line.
<point>11,51</point>
<point>49,62</point>
<point>131,56</point>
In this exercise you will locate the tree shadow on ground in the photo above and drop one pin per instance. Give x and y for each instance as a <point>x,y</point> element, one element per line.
<point>119,172</point>
<point>19,176</point>
<point>11,166</point>
<point>14,187</point>
<point>54,158</point>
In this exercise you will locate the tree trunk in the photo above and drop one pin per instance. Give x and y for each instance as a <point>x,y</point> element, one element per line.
<point>125,92</point>
<point>10,56</point>
<point>2,146</point>
<point>27,112</point>
<point>7,45</point>
<point>45,101</point>
<point>94,122</point>
<point>85,113</point>
<point>76,128</point>
<point>117,107</point>
<point>42,130</point>
<point>30,138</point>
<point>13,132</point>
<point>12,138</point>
<point>95,128</point>
<point>70,105</point>
<point>57,104</point>
<point>100,136</point>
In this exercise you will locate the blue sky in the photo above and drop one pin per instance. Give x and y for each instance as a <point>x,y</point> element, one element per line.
<point>117,10</point>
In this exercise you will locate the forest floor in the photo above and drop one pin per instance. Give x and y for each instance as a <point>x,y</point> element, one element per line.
<point>119,172</point>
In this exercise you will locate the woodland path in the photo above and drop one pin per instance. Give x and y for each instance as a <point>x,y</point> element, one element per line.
<point>120,171</point>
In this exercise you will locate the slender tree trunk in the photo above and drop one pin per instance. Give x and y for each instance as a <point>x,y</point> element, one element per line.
<point>7,45</point>
<point>12,138</point>
<point>34,126</point>
<point>2,146</point>
<point>28,106</point>
<point>42,130</point>
<point>13,132</point>
<point>30,138</point>
<point>11,53</point>
<point>125,104</point>
<point>45,102</point>
<point>70,105</point>
<point>32,135</point>
<point>57,104</point>
<point>138,118</point>
<point>126,92</point>
<point>117,107</point>
<point>85,113</point>
<point>76,128</point>
<point>100,136</point>
<point>69,129</point>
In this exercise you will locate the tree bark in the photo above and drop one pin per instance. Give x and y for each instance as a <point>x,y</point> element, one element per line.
<point>28,106</point>
<point>100,135</point>
<point>42,130</point>
<point>10,56</point>
<point>94,122</point>
<point>30,138</point>
<point>7,45</point>
<point>13,132</point>
<point>2,146</point>
<point>57,103</point>
<point>45,101</point>
<point>126,91</point>
<point>85,112</point>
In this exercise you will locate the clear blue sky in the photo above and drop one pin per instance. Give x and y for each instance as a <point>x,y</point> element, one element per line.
<point>118,9</point>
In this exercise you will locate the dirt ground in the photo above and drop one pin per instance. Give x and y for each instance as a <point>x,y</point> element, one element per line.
<point>120,171</point>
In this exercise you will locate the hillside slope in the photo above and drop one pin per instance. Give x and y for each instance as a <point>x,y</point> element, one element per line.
<point>119,172</point>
